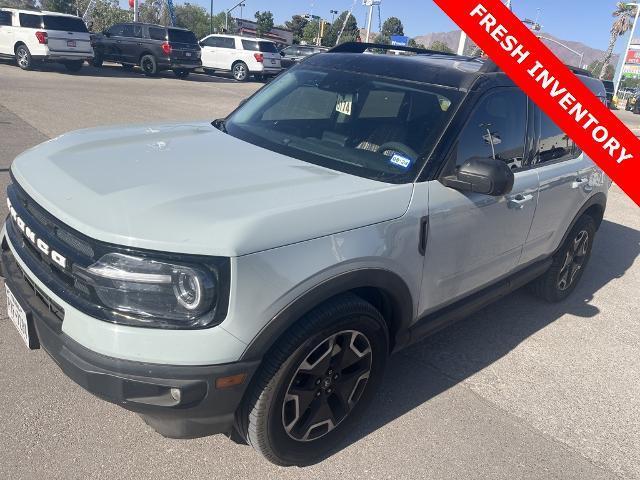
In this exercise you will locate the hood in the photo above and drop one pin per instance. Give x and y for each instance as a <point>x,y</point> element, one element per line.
<point>193,189</point>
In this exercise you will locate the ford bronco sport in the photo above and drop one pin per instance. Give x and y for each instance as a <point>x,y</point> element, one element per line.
<point>252,276</point>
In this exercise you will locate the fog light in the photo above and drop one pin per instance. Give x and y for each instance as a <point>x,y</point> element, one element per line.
<point>176,394</point>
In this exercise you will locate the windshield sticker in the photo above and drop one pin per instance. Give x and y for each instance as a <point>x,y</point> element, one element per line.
<point>400,160</point>
<point>344,104</point>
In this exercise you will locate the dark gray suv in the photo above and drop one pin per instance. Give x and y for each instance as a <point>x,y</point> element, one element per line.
<point>152,47</point>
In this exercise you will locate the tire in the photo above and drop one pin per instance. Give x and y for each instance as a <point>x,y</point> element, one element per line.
<point>23,57</point>
<point>127,66</point>
<point>149,65</point>
<point>97,61</point>
<point>181,73</point>
<point>73,66</point>
<point>240,71</point>
<point>270,418</point>
<point>569,263</point>
<point>259,78</point>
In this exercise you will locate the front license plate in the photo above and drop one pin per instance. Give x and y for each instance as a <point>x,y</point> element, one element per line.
<point>71,43</point>
<point>20,319</point>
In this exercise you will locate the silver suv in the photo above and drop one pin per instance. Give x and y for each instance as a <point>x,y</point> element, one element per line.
<point>253,275</point>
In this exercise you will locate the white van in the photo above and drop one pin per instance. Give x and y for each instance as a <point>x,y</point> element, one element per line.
<point>33,36</point>
<point>242,56</point>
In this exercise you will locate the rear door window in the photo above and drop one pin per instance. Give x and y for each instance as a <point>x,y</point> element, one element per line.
<point>67,24</point>
<point>28,20</point>
<point>554,145</point>
<point>157,33</point>
<point>258,46</point>
<point>116,30</point>
<point>5,18</point>
<point>497,128</point>
<point>182,36</point>
<point>227,42</point>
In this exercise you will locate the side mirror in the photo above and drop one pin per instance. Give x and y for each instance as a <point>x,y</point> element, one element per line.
<point>283,54</point>
<point>201,44</point>
<point>482,175</point>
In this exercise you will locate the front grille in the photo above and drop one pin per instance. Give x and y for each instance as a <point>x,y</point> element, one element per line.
<point>44,219</point>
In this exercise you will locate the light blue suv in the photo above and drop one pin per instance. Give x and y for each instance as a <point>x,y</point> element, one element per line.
<point>252,276</point>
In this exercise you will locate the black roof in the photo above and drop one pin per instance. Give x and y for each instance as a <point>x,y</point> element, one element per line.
<point>425,66</point>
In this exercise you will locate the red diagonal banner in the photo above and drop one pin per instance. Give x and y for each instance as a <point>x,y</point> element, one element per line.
<point>553,87</point>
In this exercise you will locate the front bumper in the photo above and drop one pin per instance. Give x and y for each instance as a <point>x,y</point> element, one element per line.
<point>144,388</point>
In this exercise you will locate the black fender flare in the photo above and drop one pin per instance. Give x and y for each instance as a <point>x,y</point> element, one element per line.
<point>397,296</point>
<point>600,200</point>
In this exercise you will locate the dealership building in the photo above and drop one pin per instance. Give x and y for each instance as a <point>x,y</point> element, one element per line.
<point>631,67</point>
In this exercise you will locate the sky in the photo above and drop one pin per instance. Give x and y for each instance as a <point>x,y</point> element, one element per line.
<point>587,21</point>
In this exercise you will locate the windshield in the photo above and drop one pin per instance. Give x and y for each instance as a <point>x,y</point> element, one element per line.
<point>67,24</point>
<point>182,36</point>
<point>366,125</point>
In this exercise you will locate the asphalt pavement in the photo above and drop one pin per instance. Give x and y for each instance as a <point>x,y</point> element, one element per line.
<point>521,389</point>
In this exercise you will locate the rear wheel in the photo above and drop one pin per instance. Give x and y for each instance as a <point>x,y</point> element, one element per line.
<point>23,57</point>
<point>73,66</point>
<point>149,65</point>
<point>568,264</point>
<point>316,382</point>
<point>240,71</point>
<point>181,73</point>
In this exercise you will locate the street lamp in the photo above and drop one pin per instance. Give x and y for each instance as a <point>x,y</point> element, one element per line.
<point>333,14</point>
<point>226,14</point>
<point>580,54</point>
<point>626,52</point>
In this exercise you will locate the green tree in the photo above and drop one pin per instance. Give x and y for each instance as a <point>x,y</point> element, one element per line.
<point>310,33</point>
<point>23,4</point>
<point>351,30</point>
<point>193,17</point>
<point>596,68</point>
<point>62,6</point>
<point>153,11</point>
<point>105,13</point>
<point>414,44</point>
<point>297,25</point>
<point>392,26</point>
<point>439,46</point>
<point>264,22</point>
<point>624,15</point>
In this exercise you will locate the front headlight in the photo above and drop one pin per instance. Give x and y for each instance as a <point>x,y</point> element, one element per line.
<point>152,292</point>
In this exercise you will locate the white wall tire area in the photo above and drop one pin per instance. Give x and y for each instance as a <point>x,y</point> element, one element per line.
<point>569,263</point>
<point>23,57</point>
<point>316,382</point>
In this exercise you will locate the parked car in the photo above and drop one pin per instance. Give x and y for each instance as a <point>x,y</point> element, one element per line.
<point>633,102</point>
<point>611,91</point>
<point>32,37</point>
<point>294,54</point>
<point>242,56</point>
<point>253,274</point>
<point>153,48</point>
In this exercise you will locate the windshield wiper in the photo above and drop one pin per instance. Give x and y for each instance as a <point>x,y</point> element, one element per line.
<point>220,124</point>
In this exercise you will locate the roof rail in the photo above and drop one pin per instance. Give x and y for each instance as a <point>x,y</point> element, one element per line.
<point>360,47</point>
<point>490,66</point>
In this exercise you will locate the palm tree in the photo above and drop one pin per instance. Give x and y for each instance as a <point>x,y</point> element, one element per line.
<point>624,15</point>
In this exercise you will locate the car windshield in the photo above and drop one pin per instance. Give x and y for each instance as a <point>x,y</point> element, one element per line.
<point>370,126</point>
<point>182,36</point>
<point>67,24</point>
<point>257,46</point>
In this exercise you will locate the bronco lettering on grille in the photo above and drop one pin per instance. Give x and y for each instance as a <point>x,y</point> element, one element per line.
<point>34,239</point>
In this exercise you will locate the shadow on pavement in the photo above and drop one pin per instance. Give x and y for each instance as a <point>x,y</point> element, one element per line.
<point>438,363</point>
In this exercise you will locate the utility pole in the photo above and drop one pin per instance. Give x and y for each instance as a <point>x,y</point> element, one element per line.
<point>463,35</point>
<point>136,11</point>
<point>370,4</point>
<point>211,18</point>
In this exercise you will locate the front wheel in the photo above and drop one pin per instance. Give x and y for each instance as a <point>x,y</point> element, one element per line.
<point>316,382</point>
<point>181,73</point>
<point>240,72</point>
<point>149,65</point>
<point>23,57</point>
<point>569,263</point>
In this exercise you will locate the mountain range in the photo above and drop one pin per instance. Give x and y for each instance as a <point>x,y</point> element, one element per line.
<point>452,38</point>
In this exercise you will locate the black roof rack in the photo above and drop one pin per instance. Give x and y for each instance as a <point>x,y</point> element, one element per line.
<point>360,47</point>
<point>490,66</point>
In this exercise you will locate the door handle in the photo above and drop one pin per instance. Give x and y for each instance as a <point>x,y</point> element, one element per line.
<point>422,241</point>
<point>518,201</point>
